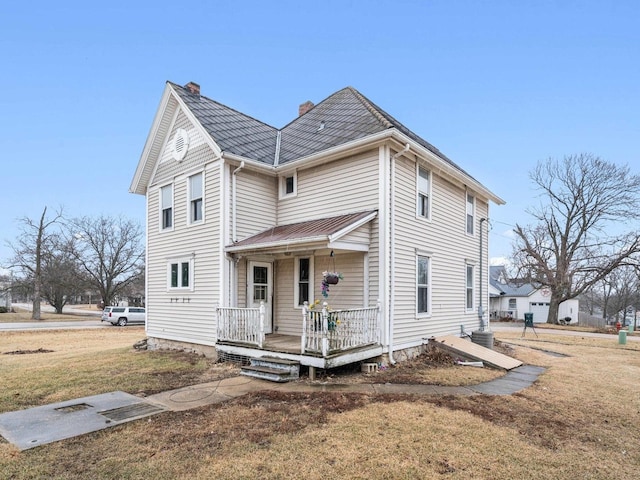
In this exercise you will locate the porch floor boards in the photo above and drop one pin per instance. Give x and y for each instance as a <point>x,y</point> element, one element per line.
<point>282,343</point>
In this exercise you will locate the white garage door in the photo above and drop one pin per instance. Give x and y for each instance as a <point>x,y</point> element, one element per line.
<point>540,311</point>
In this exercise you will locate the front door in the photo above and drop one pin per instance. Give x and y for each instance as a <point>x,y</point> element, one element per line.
<point>260,288</point>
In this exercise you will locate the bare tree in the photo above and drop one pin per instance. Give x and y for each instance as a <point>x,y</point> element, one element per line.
<point>584,226</point>
<point>28,252</point>
<point>61,275</point>
<point>109,251</point>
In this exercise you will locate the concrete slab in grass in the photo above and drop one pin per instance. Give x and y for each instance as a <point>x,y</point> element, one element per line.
<point>50,423</point>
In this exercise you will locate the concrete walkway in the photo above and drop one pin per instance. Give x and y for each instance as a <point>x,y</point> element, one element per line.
<point>50,423</point>
<point>215,392</point>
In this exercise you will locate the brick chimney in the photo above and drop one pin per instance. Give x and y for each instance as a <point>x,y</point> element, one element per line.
<point>305,107</point>
<point>193,87</point>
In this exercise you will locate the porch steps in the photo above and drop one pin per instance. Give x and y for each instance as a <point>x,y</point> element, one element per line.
<point>272,369</point>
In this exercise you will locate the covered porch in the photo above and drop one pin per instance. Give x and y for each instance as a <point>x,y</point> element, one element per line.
<point>283,304</point>
<point>330,338</point>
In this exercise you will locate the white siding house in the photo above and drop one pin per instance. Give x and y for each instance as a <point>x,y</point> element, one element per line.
<point>245,219</point>
<point>511,300</point>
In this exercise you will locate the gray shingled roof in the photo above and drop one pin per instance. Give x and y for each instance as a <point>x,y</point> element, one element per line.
<point>233,131</point>
<point>340,118</point>
<point>512,289</point>
<point>344,116</point>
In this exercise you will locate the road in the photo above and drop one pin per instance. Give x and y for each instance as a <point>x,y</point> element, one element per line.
<point>62,325</point>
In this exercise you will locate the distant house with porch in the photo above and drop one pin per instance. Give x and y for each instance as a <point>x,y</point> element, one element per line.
<point>246,223</point>
<point>512,298</point>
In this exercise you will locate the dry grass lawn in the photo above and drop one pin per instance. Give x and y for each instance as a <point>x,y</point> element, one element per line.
<point>578,421</point>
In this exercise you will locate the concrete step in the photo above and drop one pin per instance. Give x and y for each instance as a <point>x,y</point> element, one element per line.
<point>273,369</point>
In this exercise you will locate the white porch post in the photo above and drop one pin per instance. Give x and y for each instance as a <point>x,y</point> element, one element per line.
<point>305,320</point>
<point>261,332</point>
<point>325,329</point>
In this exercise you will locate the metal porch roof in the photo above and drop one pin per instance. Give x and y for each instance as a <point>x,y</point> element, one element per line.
<point>320,230</point>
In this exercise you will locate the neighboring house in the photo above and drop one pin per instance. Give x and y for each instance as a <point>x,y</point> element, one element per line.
<point>512,299</point>
<point>244,218</point>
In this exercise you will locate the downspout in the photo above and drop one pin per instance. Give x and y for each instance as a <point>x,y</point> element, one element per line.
<point>234,204</point>
<point>392,248</point>
<point>483,327</point>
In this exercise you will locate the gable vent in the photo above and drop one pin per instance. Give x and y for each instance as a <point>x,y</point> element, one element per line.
<point>180,144</point>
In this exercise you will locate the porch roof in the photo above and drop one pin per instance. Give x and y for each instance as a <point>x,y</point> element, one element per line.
<point>322,231</point>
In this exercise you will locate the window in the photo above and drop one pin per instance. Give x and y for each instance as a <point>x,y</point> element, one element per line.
<point>424,193</point>
<point>471,207</point>
<point>469,292</point>
<point>260,283</point>
<point>288,185</point>
<point>181,273</point>
<point>166,206</point>
<point>512,304</point>
<point>303,281</point>
<point>423,289</point>
<point>195,198</point>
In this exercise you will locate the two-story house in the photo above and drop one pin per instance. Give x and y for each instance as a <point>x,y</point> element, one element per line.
<point>246,223</point>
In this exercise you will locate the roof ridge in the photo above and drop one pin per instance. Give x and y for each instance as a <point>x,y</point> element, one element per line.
<point>375,111</point>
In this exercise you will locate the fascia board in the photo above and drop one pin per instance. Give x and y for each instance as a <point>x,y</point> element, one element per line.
<point>447,168</point>
<point>351,227</point>
<point>136,186</point>
<point>249,163</point>
<point>322,239</point>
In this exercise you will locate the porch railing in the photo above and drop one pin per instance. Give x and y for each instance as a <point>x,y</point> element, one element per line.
<point>327,331</point>
<point>244,325</point>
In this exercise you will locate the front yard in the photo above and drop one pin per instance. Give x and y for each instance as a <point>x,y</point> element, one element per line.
<point>578,421</point>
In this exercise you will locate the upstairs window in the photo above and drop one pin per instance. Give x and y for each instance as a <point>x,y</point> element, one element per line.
<point>166,207</point>
<point>288,185</point>
<point>471,212</point>
<point>424,193</point>
<point>195,198</point>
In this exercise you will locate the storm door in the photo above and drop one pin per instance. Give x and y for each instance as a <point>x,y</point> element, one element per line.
<point>260,288</point>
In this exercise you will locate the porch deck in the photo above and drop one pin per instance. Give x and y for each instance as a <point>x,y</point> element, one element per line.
<point>289,347</point>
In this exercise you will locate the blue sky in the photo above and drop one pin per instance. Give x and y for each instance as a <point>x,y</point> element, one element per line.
<point>495,85</point>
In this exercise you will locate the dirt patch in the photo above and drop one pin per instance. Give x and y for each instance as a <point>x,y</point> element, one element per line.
<point>434,367</point>
<point>27,352</point>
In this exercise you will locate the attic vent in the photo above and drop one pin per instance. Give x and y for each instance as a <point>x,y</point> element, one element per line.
<point>180,144</point>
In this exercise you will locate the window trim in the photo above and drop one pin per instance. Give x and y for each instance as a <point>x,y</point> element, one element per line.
<point>190,200</point>
<point>420,193</point>
<point>468,196</point>
<point>428,285</point>
<point>296,280</point>
<point>282,187</point>
<point>162,208</point>
<point>471,287</point>
<point>180,262</point>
